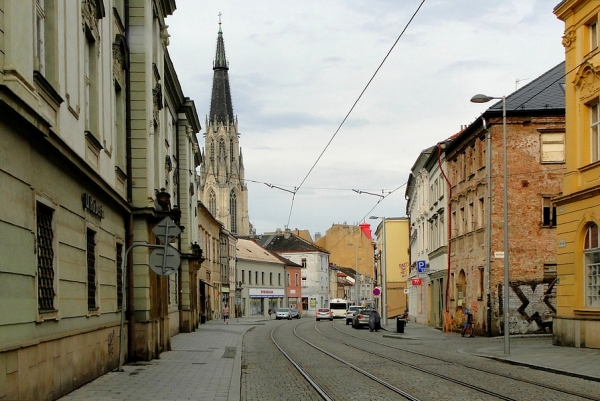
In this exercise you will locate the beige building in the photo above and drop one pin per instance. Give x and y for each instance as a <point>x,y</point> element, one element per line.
<point>352,246</point>
<point>82,183</point>
<point>209,276</point>
<point>577,321</point>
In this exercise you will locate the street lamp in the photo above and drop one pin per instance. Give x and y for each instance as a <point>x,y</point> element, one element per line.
<point>383,268</point>
<point>483,99</point>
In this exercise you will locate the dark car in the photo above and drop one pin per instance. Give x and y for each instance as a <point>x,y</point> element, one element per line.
<point>294,313</point>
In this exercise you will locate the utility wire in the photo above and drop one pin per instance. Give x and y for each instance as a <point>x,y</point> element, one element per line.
<point>354,105</point>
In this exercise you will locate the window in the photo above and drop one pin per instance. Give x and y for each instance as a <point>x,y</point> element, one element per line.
<point>304,282</point>
<point>262,278</point>
<point>256,278</point>
<point>592,266</point>
<point>91,268</point>
<point>296,279</point>
<point>481,214</point>
<point>593,28</point>
<point>233,211</point>
<point>212,203</point>
<point>212,149</point>
<point>249,276</point>
<point>480,284</point>
<point>553,147</point>
<point>594,131</point>
<point>270,278</point>
<point>91,84</point>
<point>289,282</point>
<point>243,277</point>
<point>279,279</point>
<point>231,150</point>
<point>119,260</point>
<point>549,213</point>
<point>45,258</point>
<point>303,262</point>
<point>40,46</point>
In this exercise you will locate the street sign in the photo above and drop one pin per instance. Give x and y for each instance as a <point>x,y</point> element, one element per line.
<point>164,260</point>
<point>166,230</point>
<point>416,281</point>
<point>376,291</point>
<point>421,266</point>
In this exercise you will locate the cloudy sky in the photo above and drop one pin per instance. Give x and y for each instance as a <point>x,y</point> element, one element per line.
<point>297,67</point>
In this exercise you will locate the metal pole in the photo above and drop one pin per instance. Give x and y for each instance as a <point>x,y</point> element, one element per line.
<point>384,276</point>
<point>505,193</point>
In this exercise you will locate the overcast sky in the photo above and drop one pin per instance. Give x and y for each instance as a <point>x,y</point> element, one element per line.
<point>297,67</point>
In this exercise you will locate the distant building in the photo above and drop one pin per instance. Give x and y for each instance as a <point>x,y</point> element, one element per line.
<point>313,259</point>
<point>222,187</point>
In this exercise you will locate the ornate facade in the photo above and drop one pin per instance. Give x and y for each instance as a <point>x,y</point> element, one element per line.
<point>222,186</point>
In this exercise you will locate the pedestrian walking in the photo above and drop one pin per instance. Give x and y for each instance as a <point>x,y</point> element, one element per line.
<point>225,313</point>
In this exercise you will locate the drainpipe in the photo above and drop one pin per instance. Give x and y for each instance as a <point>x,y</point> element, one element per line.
<point>129,261</point>
<point>488,253</point>
<point>439,146</point>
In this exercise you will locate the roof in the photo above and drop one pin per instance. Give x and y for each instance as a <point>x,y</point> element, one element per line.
<point>287,242</point>
<point>546,92</point>
<point>221,107</point>
<point>250,250</point>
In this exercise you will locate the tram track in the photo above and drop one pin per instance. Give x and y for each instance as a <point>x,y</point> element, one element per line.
<point>314,382</point>
<point>445,361</point>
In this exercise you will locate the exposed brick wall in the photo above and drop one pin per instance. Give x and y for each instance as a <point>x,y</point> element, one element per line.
<point>532,247</point>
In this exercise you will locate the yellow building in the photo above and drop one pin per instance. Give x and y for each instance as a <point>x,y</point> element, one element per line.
<point>392,249</point>
<point>577,321</point>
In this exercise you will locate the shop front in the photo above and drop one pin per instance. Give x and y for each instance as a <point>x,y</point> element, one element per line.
<point>262,300</point>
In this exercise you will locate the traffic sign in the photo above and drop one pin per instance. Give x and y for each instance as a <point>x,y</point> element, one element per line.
<point>376,291</point>
<point>164,260</point>
<point>421,266</point>
<point>166,230</point>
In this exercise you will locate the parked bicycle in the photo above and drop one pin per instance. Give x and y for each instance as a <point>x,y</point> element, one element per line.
<point>468,325</point>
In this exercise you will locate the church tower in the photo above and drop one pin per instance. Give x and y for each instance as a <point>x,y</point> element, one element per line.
<point>222,187</point>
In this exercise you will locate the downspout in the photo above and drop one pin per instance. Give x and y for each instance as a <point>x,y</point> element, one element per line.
<point>439,146</point>
<point>178,196</point>
<point>129,233</point>
<point>488,256</point>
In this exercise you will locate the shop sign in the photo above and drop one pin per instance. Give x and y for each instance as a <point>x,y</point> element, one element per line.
<point>416,281</point>
<point>266,293</point>
<point>90,204</point>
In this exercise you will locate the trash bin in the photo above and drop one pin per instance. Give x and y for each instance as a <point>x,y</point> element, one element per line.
<point>400,323</point>
<point>202,318</point>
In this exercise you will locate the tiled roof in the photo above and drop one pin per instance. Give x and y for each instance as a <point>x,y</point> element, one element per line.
<point>543,93</point>
<point>293,243</point>
<point>250,250</point>
<point>221,106</point>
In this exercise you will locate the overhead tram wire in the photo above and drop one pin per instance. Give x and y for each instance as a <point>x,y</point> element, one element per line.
<point>352,108</point>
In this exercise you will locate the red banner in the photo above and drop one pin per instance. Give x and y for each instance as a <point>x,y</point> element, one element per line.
<point>416,281</point>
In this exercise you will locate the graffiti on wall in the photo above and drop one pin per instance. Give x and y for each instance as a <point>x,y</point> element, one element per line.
<point>532,307</point>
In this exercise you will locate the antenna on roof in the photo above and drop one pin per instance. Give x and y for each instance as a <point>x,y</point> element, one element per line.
<point>519,80</point>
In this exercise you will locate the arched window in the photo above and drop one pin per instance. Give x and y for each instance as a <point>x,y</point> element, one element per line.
<point>212,149</point>
<point>222,147</point>
<point>231,149</point>
<point>592,266</point>
<point>233,211</point>
<point>212,203</point>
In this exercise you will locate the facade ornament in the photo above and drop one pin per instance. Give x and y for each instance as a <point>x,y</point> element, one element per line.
<point>588,81</point>
<point>164,35</point>
<point>568,38</point>
<point>119,59</point>
<point>91,12</point>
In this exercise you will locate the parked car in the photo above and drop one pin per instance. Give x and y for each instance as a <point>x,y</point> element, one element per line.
<point>283,313</point>
<point>361,318</point>
<point>324,313</point>
<point>294,313</point>
<point>350,313</point>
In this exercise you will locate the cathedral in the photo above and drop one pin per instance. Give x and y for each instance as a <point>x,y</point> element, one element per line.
<point>222,189</point>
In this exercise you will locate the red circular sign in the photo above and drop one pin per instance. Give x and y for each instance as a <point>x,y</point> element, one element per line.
<point>377,291</point>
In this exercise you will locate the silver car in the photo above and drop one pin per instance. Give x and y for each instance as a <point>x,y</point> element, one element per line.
<point>350,313</point>
<point>361,318</point>
<point>295,313</point>
<point>283,313</point>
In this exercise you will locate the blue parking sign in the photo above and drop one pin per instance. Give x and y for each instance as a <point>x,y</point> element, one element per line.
<point>421,265</point>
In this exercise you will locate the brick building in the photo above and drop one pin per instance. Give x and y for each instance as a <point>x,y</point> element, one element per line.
<point>535,149</point>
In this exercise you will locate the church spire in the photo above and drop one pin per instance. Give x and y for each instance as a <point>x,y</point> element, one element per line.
<point>221,108</point>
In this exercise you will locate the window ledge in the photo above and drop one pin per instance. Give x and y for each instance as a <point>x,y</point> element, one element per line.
<point>586,312</point>
<point>589,166</point>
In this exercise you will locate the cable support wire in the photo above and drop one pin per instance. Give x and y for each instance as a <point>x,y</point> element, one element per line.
<point>354,105</point>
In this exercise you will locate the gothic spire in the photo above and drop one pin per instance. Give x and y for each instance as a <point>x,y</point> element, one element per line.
<point>221,108</point>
